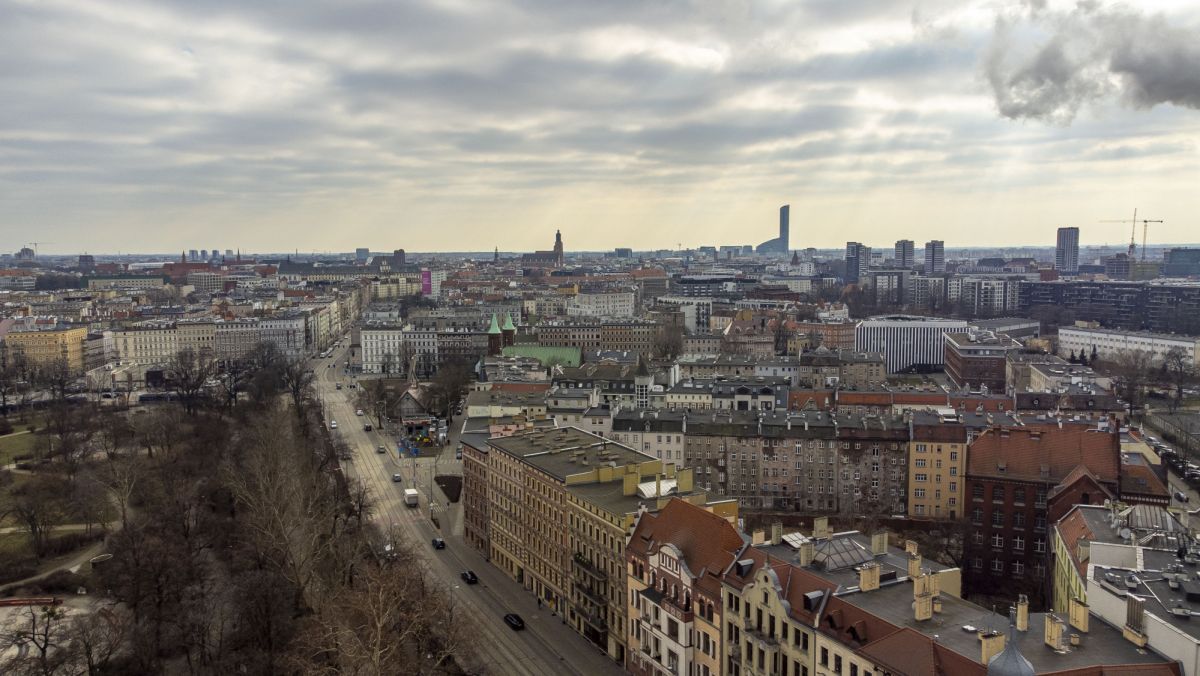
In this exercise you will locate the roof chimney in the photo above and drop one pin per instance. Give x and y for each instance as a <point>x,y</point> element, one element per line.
<point>1078,611</point>
<point>776,532</point>
<point>868,577</point>
<point>758,536</point>
<point>821,530</point>
<point>879,543</point>
<point>1053,635</point>
<point>808,550</point>
<point>991,644</point>
<point>914,565</point>
<point>1135,616</point>
<point>1022,612</point>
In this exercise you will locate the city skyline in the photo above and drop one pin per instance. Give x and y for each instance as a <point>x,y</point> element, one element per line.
<point>326,128</point>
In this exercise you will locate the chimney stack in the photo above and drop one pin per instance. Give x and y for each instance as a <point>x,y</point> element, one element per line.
<point>991,644</point>
<point>1022,612</point>
<point>776,533</point>
<point>914,565</point>
<point>758,536</point>
<point>1078,611</point>
<point>808,550</point>
<point>868,577</point>
<point>1053,634</point>
<point>821,530</point>
<point>879,543</point>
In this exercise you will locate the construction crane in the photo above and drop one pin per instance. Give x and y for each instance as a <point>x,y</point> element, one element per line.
<point>1133,232</point>
<point>35,246</point>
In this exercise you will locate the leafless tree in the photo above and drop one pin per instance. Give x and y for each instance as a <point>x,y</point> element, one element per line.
<point>189,372</point>
<point>39,630</point>
<point>1179,373</point>
<point>39,506</point>
<point>1134,370</point>
<point>668,342</point>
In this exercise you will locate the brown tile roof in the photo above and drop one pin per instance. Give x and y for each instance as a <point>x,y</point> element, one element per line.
<point>908,651</point>
<point>1141,479</point>
<point>709,543</point>
<point>1024,451</point>
<point>1161,669</point>
<point>1072,528</point>
<point>851,625</point>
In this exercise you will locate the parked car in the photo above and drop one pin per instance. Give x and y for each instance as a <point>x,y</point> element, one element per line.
<point>367,427</point>
<point>514,621</point>
<point>381,449</point>
<point>470,577</point>
<point>1181,496</point>
<point>333,424</point>
<point>439,543</point>
<point>339,386</point>
<point>396,478</point>
<point>359,412</point>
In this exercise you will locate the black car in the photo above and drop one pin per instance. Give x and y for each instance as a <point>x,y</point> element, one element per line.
<point>514,621</point>
<point>1180,496</point>
<point>470,577</point>
<point>439,543</point>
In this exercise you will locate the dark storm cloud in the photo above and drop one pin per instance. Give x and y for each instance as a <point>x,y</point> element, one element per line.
<point>1048,66</point>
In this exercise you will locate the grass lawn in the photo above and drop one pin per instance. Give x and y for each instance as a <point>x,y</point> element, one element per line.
<point>13,445</point>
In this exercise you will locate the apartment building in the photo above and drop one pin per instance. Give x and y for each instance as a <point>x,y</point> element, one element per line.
<point>602,303</point>
<point>937,463</point>
<point>561,504</point>
<point>840,604</point>
<point>45,347</point>
<point>906,341</point>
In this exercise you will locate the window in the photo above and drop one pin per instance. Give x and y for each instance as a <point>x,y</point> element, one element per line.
<point>918,492</point>
<point>997,541</point>
<point>997,493</point>
<point>1019,520</point>
<point>977,537</point>
<point>977,516</point>
<point>1018,568</point>
<point>997,566</point>
<point>922,477</point>
<point>977,492</point>
<point>1039,545</point>
<point>976,563</point>
<point>1018,544</point>
<point>998,517</point>
<point>1019,495</point>
<point>920,462</point>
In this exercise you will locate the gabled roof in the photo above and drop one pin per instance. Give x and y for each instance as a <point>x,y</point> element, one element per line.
<point>708,543</point>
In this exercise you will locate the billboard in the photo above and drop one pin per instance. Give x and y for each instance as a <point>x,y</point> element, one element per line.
<point>426,282</point>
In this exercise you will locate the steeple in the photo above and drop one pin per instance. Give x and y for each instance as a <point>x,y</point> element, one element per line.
<point>795,258</point>
<point>494,327</point>
<point>508,323</point>
<point>1010,661</point>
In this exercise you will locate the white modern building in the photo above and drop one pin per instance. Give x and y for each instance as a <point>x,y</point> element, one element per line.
<point>906,341</point>
<point>1109,343</point>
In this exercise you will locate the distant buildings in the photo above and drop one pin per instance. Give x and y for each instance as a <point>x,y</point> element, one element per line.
<point>935,257</point>
<point>546,259</point>
<point>904,254</point>
<point>1066,251</point>
<point>1182,263</point>
<point>779,245</point>
<point>858,261</point>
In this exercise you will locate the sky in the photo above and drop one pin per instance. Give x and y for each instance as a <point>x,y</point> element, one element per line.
<point>463,125</point>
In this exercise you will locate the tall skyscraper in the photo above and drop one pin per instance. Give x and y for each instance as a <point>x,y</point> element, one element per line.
<point>935,257</point>
<point>1066,253</point>
<point>779,244</point>
<point>858,261</point>
<point>904,254</point>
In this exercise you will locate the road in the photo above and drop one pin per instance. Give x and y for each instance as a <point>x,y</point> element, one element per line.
<point>547,645</point>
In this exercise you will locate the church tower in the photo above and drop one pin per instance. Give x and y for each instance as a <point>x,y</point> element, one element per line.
<point>558,248</point>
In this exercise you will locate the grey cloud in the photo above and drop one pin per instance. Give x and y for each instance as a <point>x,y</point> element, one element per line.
<point>1087,55</point>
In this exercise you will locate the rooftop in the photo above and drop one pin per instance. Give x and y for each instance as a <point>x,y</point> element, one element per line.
<point>564,451</point>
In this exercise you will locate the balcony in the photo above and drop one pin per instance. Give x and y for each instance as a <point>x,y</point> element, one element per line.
<point>593,619</point>
<point>768,642</point>
<point>588,568</point>
<point>595,596</point>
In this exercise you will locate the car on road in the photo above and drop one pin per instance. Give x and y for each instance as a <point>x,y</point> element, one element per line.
<point>396,478</point>
<point>333,424</point>
<point>339,386</point>
<point>1181,496</point>
<point>367,427</point>
<point>358,412</point>
<point>470,577</point>
<point>381,449</point>
<point>439,543</point>
<point>514,621</point>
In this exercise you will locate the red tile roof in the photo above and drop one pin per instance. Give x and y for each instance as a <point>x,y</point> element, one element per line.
<point>1024,451</point>
<point>908,651</point>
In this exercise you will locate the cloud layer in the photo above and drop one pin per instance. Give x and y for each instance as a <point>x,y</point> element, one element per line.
<point>455,124</point>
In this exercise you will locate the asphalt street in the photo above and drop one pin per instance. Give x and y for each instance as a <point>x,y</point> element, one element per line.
<point>547,645</point>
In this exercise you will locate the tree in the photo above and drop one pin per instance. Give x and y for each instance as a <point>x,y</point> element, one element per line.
<point>39,506</point>
<point>189,372</point>
<point>447,388</point>
<point>39,628</point>
<point>1179,373</point>
<point>1134,369</point>
<point>297,377</point>
<point>668,342</point>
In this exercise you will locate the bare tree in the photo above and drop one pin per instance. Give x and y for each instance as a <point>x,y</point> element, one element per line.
<point>668,342</point>
<point>1179,373</point>
<point>37,634</point>
<point>1134,370</point>
<point>38,505</point>
<point>189,372</point>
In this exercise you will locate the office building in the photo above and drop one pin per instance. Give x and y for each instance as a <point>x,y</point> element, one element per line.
<point>905,341</point>
<point>361,255</point>
<point>1109,344</point>
<point>935,257</point>
<point>1066,252</point>
<point>1182,263</point>
<point>779,245</point>
<point>858,261</point>
<point>904,254</point>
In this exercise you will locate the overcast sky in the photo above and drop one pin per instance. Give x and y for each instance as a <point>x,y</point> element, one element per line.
<point>466,124</point>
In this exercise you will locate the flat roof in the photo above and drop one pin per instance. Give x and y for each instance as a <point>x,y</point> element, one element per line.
<point>564,451</point>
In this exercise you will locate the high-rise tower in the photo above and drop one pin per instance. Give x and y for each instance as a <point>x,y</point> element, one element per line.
<point>1066,253</point>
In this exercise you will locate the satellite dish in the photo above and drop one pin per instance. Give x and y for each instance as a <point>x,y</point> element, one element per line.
<point>1125,533</point>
